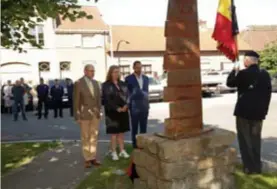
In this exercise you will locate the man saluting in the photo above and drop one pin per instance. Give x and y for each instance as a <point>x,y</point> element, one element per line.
<point>254,93</point>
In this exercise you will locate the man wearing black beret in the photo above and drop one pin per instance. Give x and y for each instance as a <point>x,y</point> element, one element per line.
<point>254,93</point>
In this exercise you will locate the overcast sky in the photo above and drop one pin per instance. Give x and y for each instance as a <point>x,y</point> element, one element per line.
<point>153,12</point>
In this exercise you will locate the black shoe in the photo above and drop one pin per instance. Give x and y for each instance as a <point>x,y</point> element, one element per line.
<point>39,117</point>
<point>14,119</point>
<point>25,119</point>
<point>45,117</point>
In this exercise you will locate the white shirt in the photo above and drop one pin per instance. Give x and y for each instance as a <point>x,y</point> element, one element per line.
<point>90,85</point>
<point>140,80</point>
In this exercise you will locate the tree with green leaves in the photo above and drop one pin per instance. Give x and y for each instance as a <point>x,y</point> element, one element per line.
<point>268,57</point>
<point>19,16</point>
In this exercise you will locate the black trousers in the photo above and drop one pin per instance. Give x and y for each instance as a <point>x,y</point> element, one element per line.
<point>43,102</point>
<point>70,103</point>
<point>58,105</point>
<point>249,138</point>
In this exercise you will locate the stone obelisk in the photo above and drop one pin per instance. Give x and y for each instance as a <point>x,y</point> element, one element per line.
<point>182,63</point>
<point>185,155</point>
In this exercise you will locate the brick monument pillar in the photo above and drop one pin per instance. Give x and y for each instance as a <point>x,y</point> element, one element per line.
<point>187,155</point>
<point>182,63</point>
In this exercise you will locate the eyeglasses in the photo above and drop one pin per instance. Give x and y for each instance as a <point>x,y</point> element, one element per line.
<point>90,70</point>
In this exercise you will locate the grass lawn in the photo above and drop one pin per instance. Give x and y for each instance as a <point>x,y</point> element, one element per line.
<point>14,155</point>
<point>103,177</point>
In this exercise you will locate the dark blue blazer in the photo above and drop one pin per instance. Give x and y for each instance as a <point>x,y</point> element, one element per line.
<point>138,98</point>
<point>57,93</point>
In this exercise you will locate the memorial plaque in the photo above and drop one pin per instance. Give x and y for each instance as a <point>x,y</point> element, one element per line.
<point>182,29</point>
<point>186,77</point>
<point>182,93</point>
<point>185,108</point>
<point>182,45</point>
<point>181,61</point>
<point>178,10</point>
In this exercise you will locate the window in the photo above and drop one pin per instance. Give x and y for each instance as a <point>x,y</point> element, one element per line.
<point>37,34</point>
<point>124,70</point>
<point>147,69</point>
<point>65,66</point>
<point>40,35</point>
<point>44,66</point>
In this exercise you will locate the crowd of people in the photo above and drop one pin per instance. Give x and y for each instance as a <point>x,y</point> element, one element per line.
<point>122,100</point>
<point>126,107</point>
<point>16,96</point>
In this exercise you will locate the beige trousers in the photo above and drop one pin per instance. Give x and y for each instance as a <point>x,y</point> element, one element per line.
<point>89,137</point>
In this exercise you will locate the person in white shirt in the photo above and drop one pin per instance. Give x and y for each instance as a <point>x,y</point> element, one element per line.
<point>138,87</point>
<point>8,96</point>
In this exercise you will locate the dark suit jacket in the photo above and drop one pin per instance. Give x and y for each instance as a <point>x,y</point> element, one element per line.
<point>42,91</point>
<point>114,98</point>
<point>138,101</point>
<point>57,93</point>
<point>254,92</point>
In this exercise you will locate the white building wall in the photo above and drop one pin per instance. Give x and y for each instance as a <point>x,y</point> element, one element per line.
<point>80,57</point>
<point>57,48</point>
<point>32,58</point>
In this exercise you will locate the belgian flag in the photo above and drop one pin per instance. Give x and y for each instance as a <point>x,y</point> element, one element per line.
<point>226,29</point>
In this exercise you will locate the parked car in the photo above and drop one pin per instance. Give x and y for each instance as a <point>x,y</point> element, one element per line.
<point>221,76</point>
<point>62,82</point>
<point>274,83</point>
<point>155,89</point>
<point>209,84</point>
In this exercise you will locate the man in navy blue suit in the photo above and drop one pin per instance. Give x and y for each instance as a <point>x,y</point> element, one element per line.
<point>43,95</point>
<point>57,92</point>
<point>138,85</point>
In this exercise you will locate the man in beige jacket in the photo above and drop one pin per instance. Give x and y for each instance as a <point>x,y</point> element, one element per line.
<point>87,105</point>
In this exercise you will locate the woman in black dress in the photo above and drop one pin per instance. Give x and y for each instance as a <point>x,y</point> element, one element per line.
<point>115,95</point>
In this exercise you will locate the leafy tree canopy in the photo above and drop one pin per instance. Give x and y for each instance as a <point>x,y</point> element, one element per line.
<point>19,16</point>
<point>268,57</point>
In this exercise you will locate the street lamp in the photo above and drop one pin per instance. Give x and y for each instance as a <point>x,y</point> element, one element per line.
<point>117,48</point>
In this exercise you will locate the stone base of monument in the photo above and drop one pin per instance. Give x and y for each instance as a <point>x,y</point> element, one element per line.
<point>202,162</point>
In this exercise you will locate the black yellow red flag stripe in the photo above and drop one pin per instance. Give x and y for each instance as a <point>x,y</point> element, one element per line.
<point>226,29</point>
